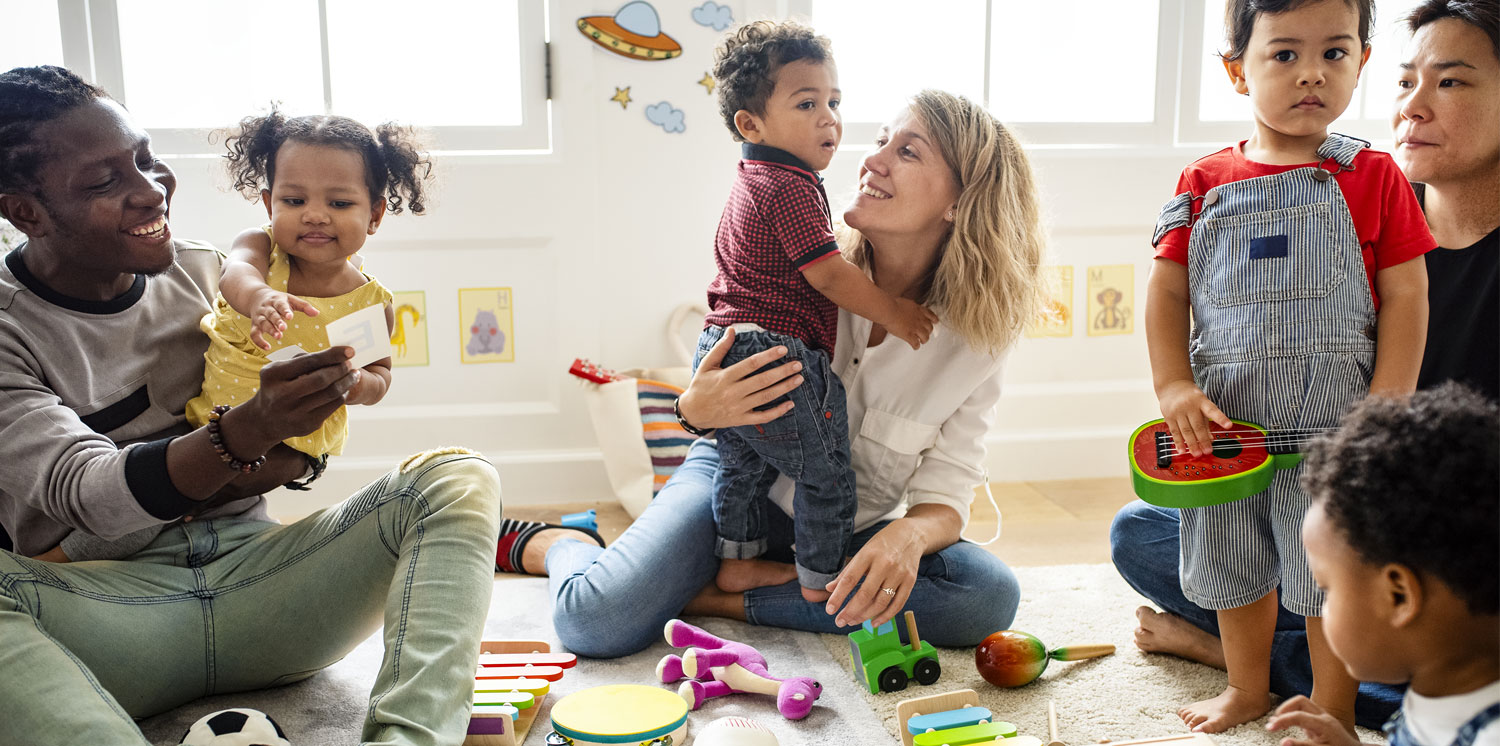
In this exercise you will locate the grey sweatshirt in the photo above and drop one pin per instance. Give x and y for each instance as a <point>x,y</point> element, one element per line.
<point>91,393</point>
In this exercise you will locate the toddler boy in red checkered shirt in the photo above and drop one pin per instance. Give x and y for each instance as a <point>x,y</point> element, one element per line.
<point>780,283</point>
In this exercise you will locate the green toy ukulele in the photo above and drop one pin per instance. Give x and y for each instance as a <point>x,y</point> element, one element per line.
<point>1245,457</point>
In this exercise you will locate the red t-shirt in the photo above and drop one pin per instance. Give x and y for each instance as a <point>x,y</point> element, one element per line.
<point>1387,218</point>
<point>775,225</point>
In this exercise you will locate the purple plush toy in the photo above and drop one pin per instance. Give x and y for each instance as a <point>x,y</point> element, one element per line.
<point>715,667</point>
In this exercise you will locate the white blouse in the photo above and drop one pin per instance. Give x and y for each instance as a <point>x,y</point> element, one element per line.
<point>917,420</point>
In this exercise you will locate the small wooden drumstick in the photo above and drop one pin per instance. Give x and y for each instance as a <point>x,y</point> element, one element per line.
<point>1052,724</point>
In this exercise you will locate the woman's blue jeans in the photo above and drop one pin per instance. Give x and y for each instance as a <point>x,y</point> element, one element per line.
<point>1145,545</point>
<point>612,602</point>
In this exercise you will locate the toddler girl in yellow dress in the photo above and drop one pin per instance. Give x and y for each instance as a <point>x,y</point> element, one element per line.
<point>326,182</point>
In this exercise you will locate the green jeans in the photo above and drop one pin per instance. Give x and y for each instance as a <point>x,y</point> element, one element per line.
<point>227,605</point>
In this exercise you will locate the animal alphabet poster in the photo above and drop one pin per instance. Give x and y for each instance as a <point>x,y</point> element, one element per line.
<point>1056,317</point>
<point>1111,299</point>
<point>409,335</point>
<point>487,335</point>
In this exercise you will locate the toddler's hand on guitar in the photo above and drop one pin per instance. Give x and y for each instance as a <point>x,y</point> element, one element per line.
<point>1190,415</point>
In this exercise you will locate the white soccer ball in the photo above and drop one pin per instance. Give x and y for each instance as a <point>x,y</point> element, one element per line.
<point>735,731</point>
<point>237,727</point>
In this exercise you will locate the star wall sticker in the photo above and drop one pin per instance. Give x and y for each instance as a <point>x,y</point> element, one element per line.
<point>622,95</point>
<point>708,83</point>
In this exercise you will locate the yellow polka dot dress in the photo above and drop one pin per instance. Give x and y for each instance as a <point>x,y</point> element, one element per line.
<point>231,372</point>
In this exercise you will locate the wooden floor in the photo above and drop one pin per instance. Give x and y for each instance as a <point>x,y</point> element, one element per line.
<point>1059,522</point>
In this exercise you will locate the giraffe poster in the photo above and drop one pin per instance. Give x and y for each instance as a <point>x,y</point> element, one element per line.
<point>1111,300</point>
<point>409,335</point>
<point>1056,318</point>
<point>487,335</point>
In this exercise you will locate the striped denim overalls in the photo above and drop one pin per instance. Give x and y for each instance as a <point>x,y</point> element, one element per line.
<point>1283,336</point>
<point>1399,735</point>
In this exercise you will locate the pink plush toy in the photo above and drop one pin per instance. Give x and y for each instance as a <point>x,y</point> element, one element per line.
<point>715,667</point>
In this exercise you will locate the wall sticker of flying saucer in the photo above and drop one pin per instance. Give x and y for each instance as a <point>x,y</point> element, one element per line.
<point>634,31</point>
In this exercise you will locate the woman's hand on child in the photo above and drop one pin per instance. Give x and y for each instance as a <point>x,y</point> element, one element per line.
<point>1318,727</point>
<point>1188,414</point>
<point>913,323</point>
<point>270,312</point>
<point>888,560</point>
<point>728,397</point>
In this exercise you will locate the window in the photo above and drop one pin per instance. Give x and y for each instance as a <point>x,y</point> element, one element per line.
<point>1033,65</point>
<point>187,67</point>
<point>1101,72</point>
<point>42,42</point>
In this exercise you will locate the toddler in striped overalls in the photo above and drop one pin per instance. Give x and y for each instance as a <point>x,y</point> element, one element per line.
<point>1290,250</point>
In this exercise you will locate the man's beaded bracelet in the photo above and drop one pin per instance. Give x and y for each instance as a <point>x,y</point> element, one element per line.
<point>216,437</point>
<point>689,427</point>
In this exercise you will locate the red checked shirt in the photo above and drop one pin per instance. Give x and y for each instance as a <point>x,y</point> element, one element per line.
<point>1387,218</point>
<point>775,226</point>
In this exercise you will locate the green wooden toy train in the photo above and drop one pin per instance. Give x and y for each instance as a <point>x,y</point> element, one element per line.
<point>884,664</point>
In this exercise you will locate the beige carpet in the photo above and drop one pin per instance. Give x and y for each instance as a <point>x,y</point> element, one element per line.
<point>1123,696</point>
<point>1126,695</point>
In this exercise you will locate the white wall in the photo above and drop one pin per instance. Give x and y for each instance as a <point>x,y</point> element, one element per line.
<point>603,237</point>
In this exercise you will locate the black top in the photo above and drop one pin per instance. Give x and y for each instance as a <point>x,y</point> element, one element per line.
<point>1463,321</point>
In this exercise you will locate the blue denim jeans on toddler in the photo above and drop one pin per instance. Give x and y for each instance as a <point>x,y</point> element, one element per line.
<point>809,444</point>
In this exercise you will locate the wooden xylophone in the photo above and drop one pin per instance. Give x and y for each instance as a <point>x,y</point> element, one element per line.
<point>956,719</point>
<point>513,678</point>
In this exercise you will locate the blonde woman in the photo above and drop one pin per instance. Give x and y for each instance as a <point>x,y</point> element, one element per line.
<point>947,216</point>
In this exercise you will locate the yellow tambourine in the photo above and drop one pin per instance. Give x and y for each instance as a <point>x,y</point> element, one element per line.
<point>619,714</point>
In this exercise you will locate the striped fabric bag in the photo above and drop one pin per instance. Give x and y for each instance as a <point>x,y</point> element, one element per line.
<point>639,437</point>
<point>666,441</point>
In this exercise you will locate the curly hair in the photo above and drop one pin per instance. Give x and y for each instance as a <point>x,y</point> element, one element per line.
<point>1414,482</point>
<point>29,98</point>
<point>987,281</point>
<point>747,59</point>
<point>396,169</point>
<point>1481,14</point>
<point>1240,15</point>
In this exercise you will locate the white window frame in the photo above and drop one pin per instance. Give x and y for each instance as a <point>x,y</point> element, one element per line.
<point>91,47</point>
<point>1155,133</point>
<point>1180,47</point>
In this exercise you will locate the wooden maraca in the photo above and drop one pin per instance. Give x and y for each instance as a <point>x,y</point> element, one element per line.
<point>1013,658</point>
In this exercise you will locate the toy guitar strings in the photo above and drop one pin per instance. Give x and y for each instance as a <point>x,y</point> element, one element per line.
<point>1281,439</point>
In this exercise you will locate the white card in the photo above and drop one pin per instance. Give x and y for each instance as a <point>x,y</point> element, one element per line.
<point>365,331</point>
<point>286,353</point>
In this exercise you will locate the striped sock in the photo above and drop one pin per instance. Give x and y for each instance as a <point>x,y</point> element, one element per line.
<point>514,534</point>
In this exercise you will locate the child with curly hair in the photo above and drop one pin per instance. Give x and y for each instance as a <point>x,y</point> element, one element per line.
<point>781,281</point>
<point>1402,537</point>
<point>326,183</point>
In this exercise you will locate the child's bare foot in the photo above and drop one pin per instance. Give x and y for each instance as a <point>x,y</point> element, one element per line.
<point>1160,632</point>
<point>815,595</point>
<point>1233,707</point>
<point>740,575</point>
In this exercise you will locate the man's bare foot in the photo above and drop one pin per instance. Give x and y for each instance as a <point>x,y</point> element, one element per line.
<point>1160,632</point>
<point>1233,707</point>
<point>740,575</point>
<point>815,595</point>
